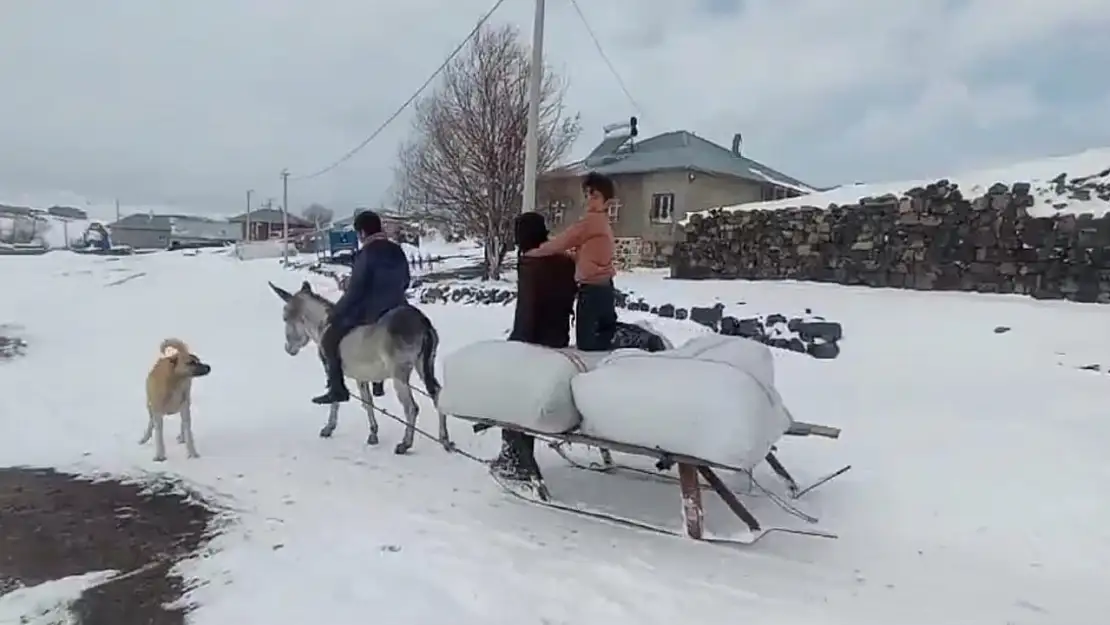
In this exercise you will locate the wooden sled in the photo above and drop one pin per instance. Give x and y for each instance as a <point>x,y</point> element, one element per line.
<point>690,471</point>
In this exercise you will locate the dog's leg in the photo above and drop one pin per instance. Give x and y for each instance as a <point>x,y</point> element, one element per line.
<point>187,430</point>
<point>408,403</point>
<point>156,421</point>
<point>149,428</point>
<point>181,433</point>
<point>368,405</point>
<point>333,420</point>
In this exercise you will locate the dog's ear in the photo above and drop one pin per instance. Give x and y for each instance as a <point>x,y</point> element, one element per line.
<point>282,293</point>
<point>306,287</point>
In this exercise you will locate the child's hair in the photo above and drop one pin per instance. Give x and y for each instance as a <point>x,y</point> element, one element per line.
<point>601,183</point>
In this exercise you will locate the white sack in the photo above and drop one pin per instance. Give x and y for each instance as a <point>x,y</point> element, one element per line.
<point>705,408</point>
<point>745,354</point>
<point>515,383</point>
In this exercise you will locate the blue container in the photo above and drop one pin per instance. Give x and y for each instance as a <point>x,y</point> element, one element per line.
<point>342,241</point>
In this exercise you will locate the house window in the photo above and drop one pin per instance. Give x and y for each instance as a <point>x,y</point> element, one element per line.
<point>614,208</point>
<point>662,208</point>
<point>556,212</point>
<point>776,192</point>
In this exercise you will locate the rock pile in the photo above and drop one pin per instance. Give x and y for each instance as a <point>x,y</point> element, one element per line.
<point>805,334</point>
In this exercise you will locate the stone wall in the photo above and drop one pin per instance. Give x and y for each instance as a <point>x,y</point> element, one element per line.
<point>930,238</point>
<point>626,252</point>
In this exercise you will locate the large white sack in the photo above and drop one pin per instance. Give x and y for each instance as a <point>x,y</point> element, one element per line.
<point>515,383</point>
<point>702,408</point>
<point>745,354</point>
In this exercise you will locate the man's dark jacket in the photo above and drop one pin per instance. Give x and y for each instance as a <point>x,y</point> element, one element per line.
<point>545,299</point>
<point>378,282</point>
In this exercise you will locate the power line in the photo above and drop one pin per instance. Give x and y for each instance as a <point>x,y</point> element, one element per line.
<point>411,99</point>
<point>605,57</point>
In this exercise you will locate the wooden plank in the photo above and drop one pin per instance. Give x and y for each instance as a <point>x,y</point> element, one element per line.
<point>729,498</point>
<point>801,428</point>
<point>692,512</point>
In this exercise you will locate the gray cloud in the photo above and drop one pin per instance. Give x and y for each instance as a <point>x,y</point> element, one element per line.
<point>192,103</point>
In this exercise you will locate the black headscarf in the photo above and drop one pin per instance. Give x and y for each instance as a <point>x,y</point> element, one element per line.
<point>531,231</point>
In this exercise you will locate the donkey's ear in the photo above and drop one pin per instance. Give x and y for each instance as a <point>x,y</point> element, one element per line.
<point>282,293</point>
<point>306,287</point>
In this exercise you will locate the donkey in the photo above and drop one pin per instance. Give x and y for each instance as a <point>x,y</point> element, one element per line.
<point>401,341</point>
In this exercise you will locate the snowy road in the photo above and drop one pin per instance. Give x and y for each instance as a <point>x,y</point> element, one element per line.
<point>975,497</point>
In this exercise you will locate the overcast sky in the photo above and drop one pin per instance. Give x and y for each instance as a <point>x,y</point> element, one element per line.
<point>191,103</point>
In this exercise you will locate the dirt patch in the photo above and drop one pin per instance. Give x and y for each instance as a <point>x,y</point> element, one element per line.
<point>54,525</point>
<point>10,344</point>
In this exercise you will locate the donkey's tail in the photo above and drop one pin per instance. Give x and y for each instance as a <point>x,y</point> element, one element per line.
<point>428,347</point>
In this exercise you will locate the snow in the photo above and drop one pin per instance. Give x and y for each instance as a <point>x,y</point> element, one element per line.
<point>48,603</point>
<point>976,494</point>
<point>1091,165</point>
<point>434,246</point>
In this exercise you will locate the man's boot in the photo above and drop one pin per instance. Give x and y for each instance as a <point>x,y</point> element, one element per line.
<point>507,465</point>
<point>378,389</point>
<point>337,388</point>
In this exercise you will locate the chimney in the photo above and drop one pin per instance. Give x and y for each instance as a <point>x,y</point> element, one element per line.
<point>737,142</point>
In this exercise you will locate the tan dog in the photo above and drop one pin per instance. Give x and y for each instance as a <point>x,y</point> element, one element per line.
<point>169,388</point>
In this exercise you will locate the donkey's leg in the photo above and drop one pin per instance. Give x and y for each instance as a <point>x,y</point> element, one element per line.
<point>368,405</point>
<point>408,403</point>
<point>427,375</point>
<point>333,420</point>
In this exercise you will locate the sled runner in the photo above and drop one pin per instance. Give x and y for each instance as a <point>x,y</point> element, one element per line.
<point>690,471</point>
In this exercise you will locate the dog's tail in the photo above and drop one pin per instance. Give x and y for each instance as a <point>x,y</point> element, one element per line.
<point>428,347</point>
<point>172,347</point>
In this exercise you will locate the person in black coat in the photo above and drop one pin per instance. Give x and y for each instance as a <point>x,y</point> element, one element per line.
<point>378,282</point>
<point>545,300</point>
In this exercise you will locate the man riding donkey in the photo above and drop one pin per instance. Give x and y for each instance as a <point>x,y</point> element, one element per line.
<point>548,280</point>
<point>377,284</point>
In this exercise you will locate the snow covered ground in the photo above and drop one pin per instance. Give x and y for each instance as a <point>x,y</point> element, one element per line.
<point>1087,171</point>
<point>976,494</point>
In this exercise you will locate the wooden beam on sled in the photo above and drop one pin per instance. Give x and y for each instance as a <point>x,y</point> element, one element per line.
<point>801,428</point>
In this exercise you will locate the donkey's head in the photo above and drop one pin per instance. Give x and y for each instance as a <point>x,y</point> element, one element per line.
<point>304,314</point>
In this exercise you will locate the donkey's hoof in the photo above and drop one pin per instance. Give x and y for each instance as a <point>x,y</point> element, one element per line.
<point>372,438</point>
<point>401,449</point>
<point>448,445</point>
<point>326,432</point>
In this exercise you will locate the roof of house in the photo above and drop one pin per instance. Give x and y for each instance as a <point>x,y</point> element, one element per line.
<point>272,216</point>
<point>149,221</point>
<point>680,150</point>
<point>67,212</point>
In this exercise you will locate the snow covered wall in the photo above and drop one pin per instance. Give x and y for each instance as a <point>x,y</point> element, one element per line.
<point>1028,232</point>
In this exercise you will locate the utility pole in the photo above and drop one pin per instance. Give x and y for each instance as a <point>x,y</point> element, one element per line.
<point>248,233</point>
<point>117,211</point>
<point>285,216</point>
<point>535,86</point>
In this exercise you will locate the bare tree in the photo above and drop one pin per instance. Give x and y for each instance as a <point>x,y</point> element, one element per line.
<point>318,214</point>
<point>463,165</point>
